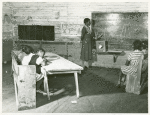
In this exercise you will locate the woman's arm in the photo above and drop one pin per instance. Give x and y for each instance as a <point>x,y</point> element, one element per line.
<point>83,33</point>
<point>93,34</point>
<point>93,40</point>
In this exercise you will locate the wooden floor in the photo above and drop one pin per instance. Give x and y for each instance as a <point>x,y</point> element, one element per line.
<point>97,90</point>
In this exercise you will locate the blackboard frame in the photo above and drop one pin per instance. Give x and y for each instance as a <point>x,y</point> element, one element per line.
<point>118,45</point>
<point>37,33</point>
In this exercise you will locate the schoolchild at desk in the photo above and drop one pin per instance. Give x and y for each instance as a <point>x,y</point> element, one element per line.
<point>38,61</point>
<point>22,53</point>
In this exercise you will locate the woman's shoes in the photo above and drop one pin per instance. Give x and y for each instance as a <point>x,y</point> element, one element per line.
<point>118,85</point>
<point>85,68</point>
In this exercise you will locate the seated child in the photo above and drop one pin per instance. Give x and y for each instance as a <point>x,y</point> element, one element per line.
<point>144,76</point>
<point>21,53</point>
<point>37,60</point>
<point>132,62</point>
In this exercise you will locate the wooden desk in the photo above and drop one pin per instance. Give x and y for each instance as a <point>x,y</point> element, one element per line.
<point>114,53</point>
<point>63,66</point>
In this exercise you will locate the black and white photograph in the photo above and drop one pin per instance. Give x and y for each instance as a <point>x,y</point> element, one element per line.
<point>74,56</point>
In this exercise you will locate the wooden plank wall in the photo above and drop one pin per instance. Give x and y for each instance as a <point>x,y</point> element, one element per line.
<point>50,13</point>
<point>7,47</point>
<point>59,13</point>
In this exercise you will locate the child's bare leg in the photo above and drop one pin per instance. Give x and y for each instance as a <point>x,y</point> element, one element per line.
<point>124,78</point>
<point>38,83</point>
<point>89,63</point>
<point>82,63</point>
<point>120,77</point>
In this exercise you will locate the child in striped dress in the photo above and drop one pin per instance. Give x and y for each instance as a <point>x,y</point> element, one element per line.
<point>132,62</point>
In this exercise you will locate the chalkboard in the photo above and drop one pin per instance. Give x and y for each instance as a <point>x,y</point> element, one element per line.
<point>36,32</point>
<point>120,29</point>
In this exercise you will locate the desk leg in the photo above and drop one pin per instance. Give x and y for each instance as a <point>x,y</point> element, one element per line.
<point>77,85</point>
<point>46,88</point>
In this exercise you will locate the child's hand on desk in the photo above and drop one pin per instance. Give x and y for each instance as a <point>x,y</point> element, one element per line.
<point>48,62</point>
<point>44,62</point>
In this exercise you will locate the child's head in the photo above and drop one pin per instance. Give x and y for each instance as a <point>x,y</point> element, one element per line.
<point>137,45</point>
<point>27,49</point>
<point>87,21</point>
<point>41,52</point>
<point>23,48</point>
<point>145,47</point>
<point>144,44</point>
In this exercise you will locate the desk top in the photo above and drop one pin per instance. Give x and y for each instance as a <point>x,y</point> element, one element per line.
<point>61,64</point>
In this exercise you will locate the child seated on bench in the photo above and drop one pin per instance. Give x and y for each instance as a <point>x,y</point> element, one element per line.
<point>144,71</point>
<point>37,60</point>
<point>145,60</point>
<point>21,54</point>
<point>132,62</point>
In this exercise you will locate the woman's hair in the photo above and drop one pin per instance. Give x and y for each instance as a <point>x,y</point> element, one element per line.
<point>137,45</point>
<point>86,20</point>
<point>27,49</point>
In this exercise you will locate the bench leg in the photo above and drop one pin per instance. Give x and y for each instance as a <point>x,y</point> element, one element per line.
<point>16,93</point>
<point>77,85</point>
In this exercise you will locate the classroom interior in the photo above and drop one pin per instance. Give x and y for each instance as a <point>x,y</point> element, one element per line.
<point>56,27</point>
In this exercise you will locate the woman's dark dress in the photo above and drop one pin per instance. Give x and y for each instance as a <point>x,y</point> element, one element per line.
<point>87,45</point>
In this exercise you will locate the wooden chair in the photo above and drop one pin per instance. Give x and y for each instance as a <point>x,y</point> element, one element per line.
<point>133,84</point>
<point>25,84</point>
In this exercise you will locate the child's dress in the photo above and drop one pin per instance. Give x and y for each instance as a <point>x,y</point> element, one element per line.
<point>33,59</point>
<point>21,56</point>
<point>133,58</point>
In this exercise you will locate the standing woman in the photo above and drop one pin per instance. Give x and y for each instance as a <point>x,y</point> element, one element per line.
<point>87,39</point>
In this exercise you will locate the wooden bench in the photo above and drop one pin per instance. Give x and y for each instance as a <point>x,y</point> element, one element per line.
<point>133,84</point>
<point>25,84</point>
